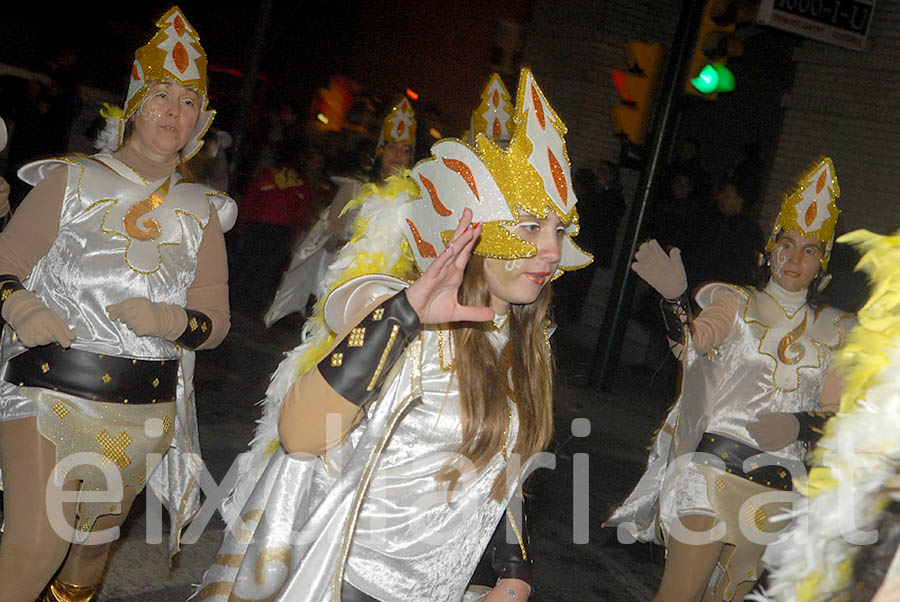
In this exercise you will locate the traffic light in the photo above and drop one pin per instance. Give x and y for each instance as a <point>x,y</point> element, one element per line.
<point>716,43</point>
<point>636,88</point>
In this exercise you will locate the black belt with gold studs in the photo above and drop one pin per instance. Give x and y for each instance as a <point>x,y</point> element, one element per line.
<point>765,469</point>
<point>94,376</point>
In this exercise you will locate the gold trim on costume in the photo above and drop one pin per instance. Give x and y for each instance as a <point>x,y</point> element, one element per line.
<point>384,356</point>
<point>415,353</point>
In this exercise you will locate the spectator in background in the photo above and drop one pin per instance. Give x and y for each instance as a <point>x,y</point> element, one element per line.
<point>321,187</point>
<point>275,207</point>
<point>675,210</point>
<point>210,165</point>
<point>748,168</point>
<point>612,209</point>
<point>283,121</point>
<point>688,161</point>
<point>727,242</point>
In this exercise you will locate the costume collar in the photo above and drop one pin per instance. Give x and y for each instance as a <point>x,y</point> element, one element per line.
<point>132,165</point>
<point>790,301</point>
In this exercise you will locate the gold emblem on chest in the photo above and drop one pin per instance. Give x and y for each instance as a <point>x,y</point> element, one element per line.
<point>790,344</point>
<point>141,208</point>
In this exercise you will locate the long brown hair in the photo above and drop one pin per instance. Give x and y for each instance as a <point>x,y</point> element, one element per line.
<point>484,375</point>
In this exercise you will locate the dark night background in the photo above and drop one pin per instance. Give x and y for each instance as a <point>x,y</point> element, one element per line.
<point>440,50</point>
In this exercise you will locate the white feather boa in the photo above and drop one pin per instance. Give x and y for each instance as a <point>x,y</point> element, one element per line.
<point>378,246</point>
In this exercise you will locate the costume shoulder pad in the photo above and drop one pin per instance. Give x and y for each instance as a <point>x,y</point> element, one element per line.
<point>227,209</point>
<point>357,293</point>
<point>32,173</point>
<point>708,293</point>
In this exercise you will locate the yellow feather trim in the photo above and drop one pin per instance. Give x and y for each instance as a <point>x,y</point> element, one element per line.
<point>808,590</point>
<point>109,110</point>
<point>866,352</point>
<point>394,186</point>
<point>361,264</point>
<point>271,447</point>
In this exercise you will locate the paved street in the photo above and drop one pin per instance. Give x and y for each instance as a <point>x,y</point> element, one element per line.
<point>232,378</point>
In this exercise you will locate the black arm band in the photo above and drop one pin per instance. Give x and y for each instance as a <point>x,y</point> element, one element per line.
<point>508,547</point>
<point>676,314</point>
<point>9,284</point>
<point>197,330</point>
<point>812,425</point>
<point>358,365</point>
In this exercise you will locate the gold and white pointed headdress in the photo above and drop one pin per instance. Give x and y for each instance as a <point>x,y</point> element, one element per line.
<point>399,126</point>
<point>532,175</point>
<point>810,208</point>
<point>173,53</point>
<point>493,117</point>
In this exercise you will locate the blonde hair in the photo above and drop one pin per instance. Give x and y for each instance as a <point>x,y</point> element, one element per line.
<point>484,377</point>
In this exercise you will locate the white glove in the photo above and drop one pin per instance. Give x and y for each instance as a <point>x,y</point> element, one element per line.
<point>664,272</point>
<point>150,318</point>
<point>35,323</point>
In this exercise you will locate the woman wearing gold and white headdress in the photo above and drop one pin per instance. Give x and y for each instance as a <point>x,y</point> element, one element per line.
<point>114,271</point>
<point>388,452</point>
<point>844,541</point>
<point>303,277</point>
<point>757,368</point>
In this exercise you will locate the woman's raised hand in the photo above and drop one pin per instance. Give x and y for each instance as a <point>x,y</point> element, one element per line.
<point>663,271</point>
<point>435,295</point>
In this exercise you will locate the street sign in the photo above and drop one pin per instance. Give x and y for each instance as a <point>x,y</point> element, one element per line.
<point>840,22</point>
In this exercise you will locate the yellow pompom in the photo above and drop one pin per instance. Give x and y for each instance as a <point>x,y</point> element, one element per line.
<point>109,110</point>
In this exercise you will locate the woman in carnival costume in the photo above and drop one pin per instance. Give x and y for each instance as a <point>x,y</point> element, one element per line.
<point>310,260</point>
<point>756,362</point>
<point>388,453</point>
<point>843,541</point>
<point>114,270</point>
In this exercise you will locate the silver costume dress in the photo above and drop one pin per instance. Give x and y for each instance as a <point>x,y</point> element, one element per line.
<point>371,512</point>
<point>774,359</point>
<point>116,240</point>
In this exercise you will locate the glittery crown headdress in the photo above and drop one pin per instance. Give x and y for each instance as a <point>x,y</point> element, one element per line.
<point>174,54</point>
<point>532,174</point>
<point>810,208</point>
<point>493,117</point>
<point>399,126</point>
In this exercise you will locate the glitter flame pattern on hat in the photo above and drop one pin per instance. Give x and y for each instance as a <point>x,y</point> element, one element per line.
<point>493,117</point>
<point>399,126</point>
<point>810,208</point>
<point>532,174</point>
<point>173,53</point>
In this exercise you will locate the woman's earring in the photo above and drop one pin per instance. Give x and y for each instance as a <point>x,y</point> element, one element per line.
<point>511,265</point>
<point>823,282</point>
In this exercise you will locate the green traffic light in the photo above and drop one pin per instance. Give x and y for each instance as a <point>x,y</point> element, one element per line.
<point>714,78</point>
<point>726,78</point>
<point>707,81</point>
